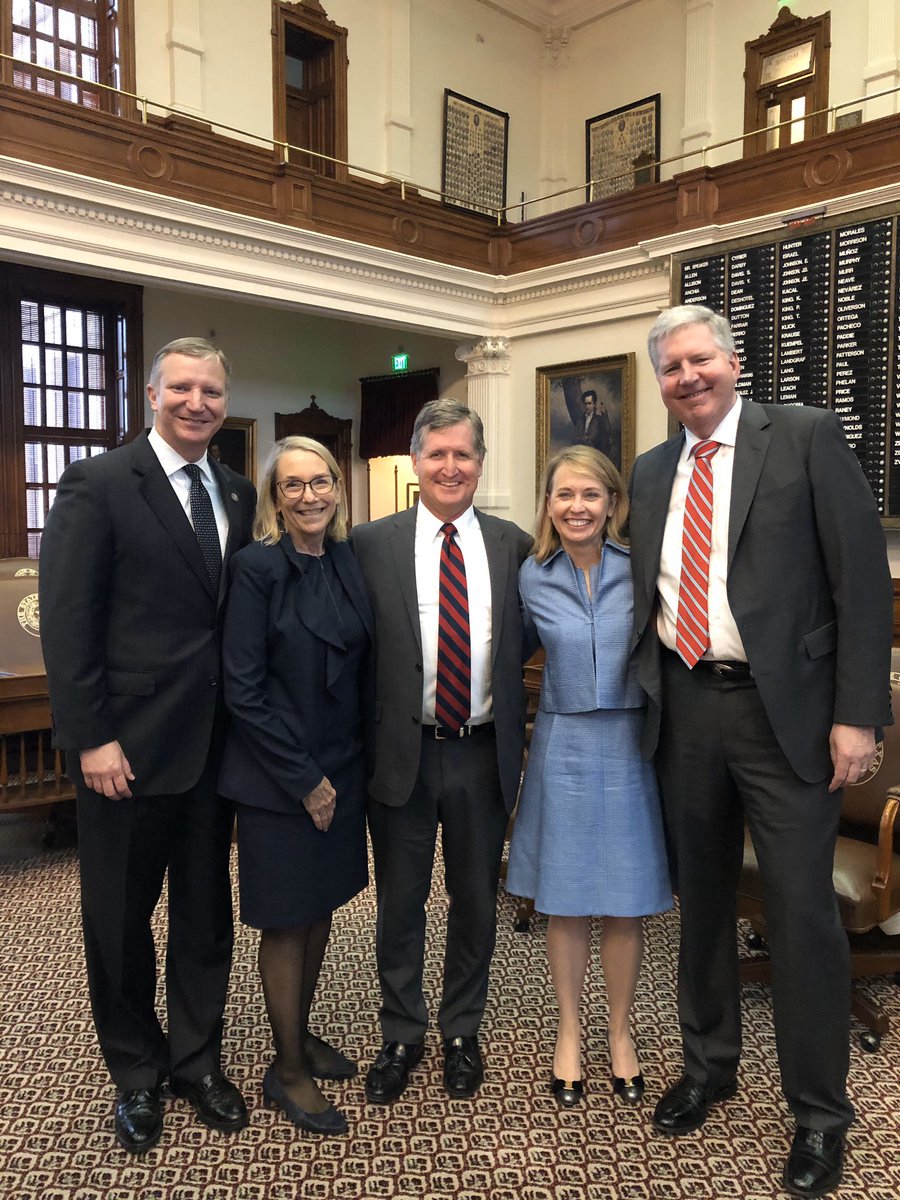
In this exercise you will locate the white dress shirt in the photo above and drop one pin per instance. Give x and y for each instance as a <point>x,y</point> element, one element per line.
<point>429,540</point>
<point>173,465</point>
<point>724,640</point>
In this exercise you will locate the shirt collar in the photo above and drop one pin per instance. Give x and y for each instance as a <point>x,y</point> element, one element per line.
<point>725,432</point>
<point>171,461</point>
<point>429,526</point>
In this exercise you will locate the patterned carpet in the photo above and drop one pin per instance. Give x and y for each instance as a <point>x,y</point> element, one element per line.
<point>510,1143</point>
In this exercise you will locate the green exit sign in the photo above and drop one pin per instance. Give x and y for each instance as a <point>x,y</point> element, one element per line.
<point>399,362</point>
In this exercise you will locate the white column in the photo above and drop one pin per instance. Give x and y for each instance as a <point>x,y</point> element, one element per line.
<point>554,120</point>
<point>488,394</point>
<point>398,123</point>
<point>882,69</point>
<point>699,60</point>
<point>185,46</point>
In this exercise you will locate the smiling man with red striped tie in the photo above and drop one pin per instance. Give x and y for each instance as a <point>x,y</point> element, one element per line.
<point>763,632</point>
<point>448,734</point>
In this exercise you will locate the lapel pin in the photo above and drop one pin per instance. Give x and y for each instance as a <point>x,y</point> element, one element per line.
<point>234,497</point>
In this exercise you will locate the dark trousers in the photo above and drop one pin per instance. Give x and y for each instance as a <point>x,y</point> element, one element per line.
<point>719,765</point>
<point>458,788</point>
<point>125,849</point>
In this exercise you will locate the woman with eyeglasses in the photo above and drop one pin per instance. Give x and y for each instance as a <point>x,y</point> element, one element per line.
<point>297,636</point>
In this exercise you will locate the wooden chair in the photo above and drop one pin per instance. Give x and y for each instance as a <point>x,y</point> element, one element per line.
<point>866,879</point>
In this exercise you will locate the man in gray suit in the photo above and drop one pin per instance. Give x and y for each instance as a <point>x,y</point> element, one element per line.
<point>134,559</point>
<point>458,771</point>
<point>763,633</point>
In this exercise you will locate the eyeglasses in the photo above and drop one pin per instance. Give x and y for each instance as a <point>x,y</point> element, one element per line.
<point>294,489</point>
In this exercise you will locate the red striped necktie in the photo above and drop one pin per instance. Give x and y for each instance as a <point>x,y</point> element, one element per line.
<point>692,624</point>
<point>453,683</point>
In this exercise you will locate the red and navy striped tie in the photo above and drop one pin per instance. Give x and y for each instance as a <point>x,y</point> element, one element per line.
<point>692,622</point>
<point>453,690</point>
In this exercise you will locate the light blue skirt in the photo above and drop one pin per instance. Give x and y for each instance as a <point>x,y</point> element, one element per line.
<point>588,838</point>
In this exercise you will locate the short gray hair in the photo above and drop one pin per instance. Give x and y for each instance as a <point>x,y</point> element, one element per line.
<point>671,319</point>
<point>442,414</point>
<point>191,347</point>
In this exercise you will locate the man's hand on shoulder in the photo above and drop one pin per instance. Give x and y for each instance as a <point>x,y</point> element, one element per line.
<point>852,753</point>
<point>107,771</point>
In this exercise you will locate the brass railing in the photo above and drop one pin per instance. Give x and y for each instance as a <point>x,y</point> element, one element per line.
<point>287,149</point>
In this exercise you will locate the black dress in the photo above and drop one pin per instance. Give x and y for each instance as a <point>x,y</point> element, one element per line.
<point>292,873</point>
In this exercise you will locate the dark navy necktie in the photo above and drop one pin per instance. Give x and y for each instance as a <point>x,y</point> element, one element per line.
<point>204,521</point>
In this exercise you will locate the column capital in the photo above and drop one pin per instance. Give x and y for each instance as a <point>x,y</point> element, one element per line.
<point>489,356</point>
<point>556,45</point>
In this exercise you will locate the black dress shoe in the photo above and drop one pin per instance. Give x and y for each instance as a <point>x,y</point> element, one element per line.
<point>686,1105</point>
<point>567,1094</point>
<point>331,1120</point>
<point>463,1068</point>
<point>138,1119</point>
<point>325,1062</point>
<point>389,1073</point>
<point>215,1100</point>
<point>815,1164</point>
<point>629,1091</point>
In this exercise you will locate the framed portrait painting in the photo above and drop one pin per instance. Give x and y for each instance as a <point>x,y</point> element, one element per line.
<point>622,148</point>
<point>235,446</point>
<point>586,403</point>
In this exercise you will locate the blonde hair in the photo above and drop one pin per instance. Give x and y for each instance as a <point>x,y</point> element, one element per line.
<point>584,460</point>
<point>267,526</point>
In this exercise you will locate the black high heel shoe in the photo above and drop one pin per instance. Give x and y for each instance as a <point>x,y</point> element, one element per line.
<point>567,1094</point>
<point>629,1091</point>
<point>332,1120</point>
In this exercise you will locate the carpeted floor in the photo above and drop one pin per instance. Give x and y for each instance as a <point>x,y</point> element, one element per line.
<point>510,1143</point>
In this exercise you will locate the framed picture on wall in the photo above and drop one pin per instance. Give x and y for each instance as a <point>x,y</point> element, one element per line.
<point>235,446</point>
<point>622,148</point>
<point>475,151</point>
<point>586,403</point>
<point>412,494</point>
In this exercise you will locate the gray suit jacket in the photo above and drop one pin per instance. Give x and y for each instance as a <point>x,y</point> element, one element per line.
<point>386,552</point>
<point>808,579</point>
<point>130,624</point>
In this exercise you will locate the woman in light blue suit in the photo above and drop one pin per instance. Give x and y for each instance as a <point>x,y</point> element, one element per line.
<point>297,638</point>
<point>588,839</point>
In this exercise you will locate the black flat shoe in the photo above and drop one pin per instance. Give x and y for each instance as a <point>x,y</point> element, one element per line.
<point>686,1105</point>
<point>815,1164</point>
<point>325,1062</point>
<point>567,1094</point>
<point>331,1121</point>
<point>389,1073</point>
<point>215,1100</point>
<point>629,1091</point>
<point>463,1067</point>
<point>139,1119</point>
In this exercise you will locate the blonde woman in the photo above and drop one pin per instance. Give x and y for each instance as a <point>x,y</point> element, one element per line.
<point>588,839</point>
<point>297,637</point>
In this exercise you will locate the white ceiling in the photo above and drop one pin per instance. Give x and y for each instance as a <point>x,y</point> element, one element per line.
<point>571,13</point>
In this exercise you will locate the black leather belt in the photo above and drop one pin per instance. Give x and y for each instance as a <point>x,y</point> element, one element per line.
<point>440,734</point>
<point>725,668</point>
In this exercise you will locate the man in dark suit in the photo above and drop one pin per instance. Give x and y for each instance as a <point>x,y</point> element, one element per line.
<point>133,565</point>
<point>767,670</point>
<point>459,771</point>
<point>592,428</point>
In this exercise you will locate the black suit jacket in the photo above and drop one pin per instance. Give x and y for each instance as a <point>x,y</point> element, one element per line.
<point>283,659</point>
<point>808,579</point>
<point>386,552</point>
<point>130,624</point>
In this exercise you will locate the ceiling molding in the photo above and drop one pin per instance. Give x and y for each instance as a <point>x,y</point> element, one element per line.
<point>539,14</point>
